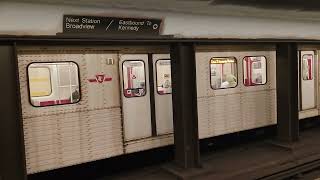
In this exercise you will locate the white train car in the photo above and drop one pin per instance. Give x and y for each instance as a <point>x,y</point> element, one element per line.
<point>82,104</point>
<point>308,82</point>
<point>247,101</point>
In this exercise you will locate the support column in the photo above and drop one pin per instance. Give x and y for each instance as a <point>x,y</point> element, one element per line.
<point>12,159</point>
<point>184,97</point>
<point>287,92</point>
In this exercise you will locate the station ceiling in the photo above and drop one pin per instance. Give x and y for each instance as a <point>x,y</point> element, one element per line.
<point>284,9</point>
<point>302,5</point>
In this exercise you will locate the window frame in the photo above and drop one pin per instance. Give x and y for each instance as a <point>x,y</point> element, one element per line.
<point>236,62</point>
<point>145,78</point>
<point>51,62</point>
<point>312,69</point>
<point>265,73</point>
<point>156,71</point>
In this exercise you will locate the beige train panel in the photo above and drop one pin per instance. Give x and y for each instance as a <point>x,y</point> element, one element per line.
<point>203,75</point>
<point>91,156</point>
<point>67,141</point>
<point>93,145</point>
<point>59,142</point>
<point>224,114</point>
<point>148,143</point>
<point>273,106</point>
<point>38,123</point>
<point>30,111</point>
<point>203,118</point>
<point>36,128</point>
<point>110,123</point>
<point>64,135</point>
<point>308,113</point>
<point>50,164</point>
<point>271,70</point>
<point>256,111</point>
<point>83,157</point>
<point>93,95</point>
<point>77,148</point>
<point>106,149</point>
<point>105,94</point>
<point>75,156</point>
<point>234,109</point>
<point>74,134</point>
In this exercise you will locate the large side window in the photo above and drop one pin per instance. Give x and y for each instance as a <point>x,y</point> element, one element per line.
<point>163,70</point>
<point>53,83</point>
<point>307,67</point>
<point>134,79</point>
<point>254,70</point>
<point>223,72</point>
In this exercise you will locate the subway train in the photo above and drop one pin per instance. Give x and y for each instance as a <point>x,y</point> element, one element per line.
<point>81,104</point>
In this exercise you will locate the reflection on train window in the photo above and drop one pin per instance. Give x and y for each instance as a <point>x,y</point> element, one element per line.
<point>307,67</point>
<point>254,70</point>
<point>163,69</point>
<point>53,83</point>
<point>223,72</point>
<point>40,81</point>
<point>134,80</point>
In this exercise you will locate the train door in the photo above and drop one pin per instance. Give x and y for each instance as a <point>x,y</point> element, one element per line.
<point>146,113</point>
<point>162,93</point>
<point>307,80</point>
<point>135,96</point>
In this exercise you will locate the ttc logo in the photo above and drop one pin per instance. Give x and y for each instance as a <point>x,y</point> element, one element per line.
<point>100,78</point>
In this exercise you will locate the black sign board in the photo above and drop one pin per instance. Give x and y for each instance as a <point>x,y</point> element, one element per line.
<point>110,25</point>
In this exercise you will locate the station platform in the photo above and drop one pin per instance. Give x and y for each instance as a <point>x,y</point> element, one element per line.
<point>254,160</point>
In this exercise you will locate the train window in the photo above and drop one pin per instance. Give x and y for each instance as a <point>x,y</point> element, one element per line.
<point>223,72</point>
<point>53,83</point>
<point>307,68</point>
<point>254,70</point>
<point>163,72</point>
<point>134,79</point>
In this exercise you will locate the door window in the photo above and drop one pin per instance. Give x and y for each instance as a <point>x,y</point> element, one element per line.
<point>307,67</point>
<point>254,70</point>
<point>134,79</point>
<point>163,71</point>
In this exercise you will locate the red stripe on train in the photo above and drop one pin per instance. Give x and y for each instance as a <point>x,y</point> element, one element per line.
<point>55,102</point>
